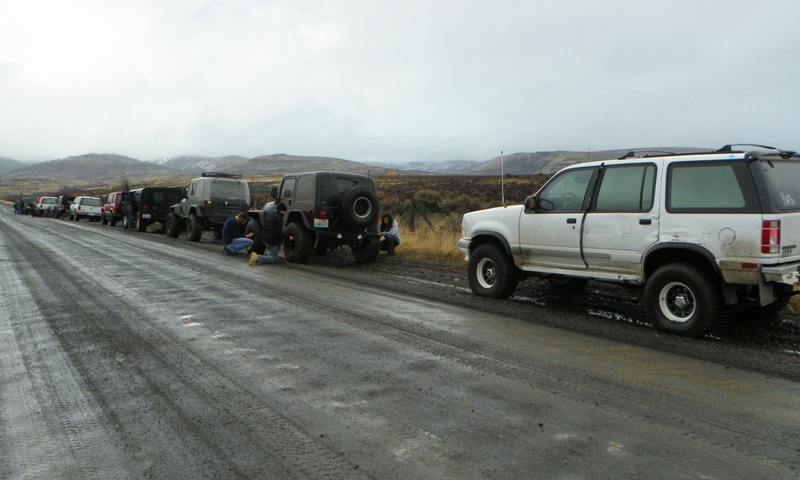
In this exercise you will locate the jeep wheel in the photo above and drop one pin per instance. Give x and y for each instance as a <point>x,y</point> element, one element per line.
<point>141,225</point>
<point>194,229</point>
<point>359,207</point>
<point>683,299</point>
<point>492,273</point>
<point>367,251</point>
<point>299,249</point>
<point>566,284</point>
<point>173,227</point>
<point>255,228</point>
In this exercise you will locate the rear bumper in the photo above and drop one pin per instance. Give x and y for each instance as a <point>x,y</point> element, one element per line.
<point>788,274</point>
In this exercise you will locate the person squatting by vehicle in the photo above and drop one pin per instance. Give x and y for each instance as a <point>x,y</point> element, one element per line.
<point>390,233</point>
<point>272,236</point>
<point>233,238</point>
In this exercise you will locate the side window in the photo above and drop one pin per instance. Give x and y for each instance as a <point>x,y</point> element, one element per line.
<point>626,189</point>
<point>200,188</point>
<point>566,192</point>
<point>718,187</point>
<point>287,188</point>
<point>305,189</point>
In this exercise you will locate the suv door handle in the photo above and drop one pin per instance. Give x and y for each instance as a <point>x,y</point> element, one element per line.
<point>645,221</point>
<point>572,220</point>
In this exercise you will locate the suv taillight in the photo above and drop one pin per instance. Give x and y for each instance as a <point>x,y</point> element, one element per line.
<point>323,215</point>
<point>770,236</point>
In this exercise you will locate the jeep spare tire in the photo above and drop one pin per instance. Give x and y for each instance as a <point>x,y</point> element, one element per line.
<point>359,207</point>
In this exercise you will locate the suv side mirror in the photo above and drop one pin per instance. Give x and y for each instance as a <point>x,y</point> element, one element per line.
<point>530,204</point>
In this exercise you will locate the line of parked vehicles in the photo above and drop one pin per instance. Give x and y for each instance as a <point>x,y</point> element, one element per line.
<point>150,205</point>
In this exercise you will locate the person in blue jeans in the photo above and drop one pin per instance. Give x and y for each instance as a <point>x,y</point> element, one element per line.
<point>390,233</point>
<point>232,237</point>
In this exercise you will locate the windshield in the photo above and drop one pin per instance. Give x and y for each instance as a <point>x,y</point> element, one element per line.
<point>785,179</point>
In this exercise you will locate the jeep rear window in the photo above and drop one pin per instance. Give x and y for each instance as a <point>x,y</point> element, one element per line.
<point>223,189</point>
<point>785,180</point>
<point>711,188</point>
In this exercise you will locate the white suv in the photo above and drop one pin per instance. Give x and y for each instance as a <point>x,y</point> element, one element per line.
<point>700,231</point>
<point>89,207</point>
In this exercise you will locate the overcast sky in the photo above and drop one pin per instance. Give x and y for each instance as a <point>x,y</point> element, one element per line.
<point>393,81</point>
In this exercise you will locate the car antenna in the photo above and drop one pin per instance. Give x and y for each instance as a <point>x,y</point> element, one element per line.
<point>502,180</point>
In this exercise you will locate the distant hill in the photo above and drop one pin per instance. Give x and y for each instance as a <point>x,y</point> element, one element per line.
<point>9,165</point>
<point>90,169</point>
<point>548,163</point>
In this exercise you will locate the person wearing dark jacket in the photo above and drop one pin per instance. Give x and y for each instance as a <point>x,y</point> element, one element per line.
<point>233,238</point>
<point>272,236</point>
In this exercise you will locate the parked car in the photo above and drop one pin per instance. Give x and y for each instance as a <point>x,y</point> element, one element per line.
<point>111,211</point>
<point>324,210</point>
<point>152,204</point>
<point>210,200</point>
<point>85,207</point>
<point>45,206</point>
<point>700,232</point>
<point>64,201</point>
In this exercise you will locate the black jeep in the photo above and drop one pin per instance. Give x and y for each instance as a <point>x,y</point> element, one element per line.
<point>324,210</point>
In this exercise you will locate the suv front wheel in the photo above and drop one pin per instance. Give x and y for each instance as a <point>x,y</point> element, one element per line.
<point>491,272</point>
<point>683,299</point>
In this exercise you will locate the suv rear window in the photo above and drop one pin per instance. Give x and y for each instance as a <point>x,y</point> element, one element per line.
<point>711,188</point>
<point>92,202</point>
<point>783,177</point>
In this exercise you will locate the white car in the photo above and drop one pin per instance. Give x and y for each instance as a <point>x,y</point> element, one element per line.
<point>700,231</point>
<point>87,207</point>
<point>43,204</point>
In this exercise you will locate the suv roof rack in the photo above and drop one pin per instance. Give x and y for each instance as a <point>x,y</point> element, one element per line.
<point>655,153</point>
<point>221,175</point>
<point>730,147</point>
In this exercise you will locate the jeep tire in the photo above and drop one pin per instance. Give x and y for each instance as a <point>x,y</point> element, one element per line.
<point>367,251</point>
<point>141,224</point>
<point>255,228</point>
<point>359,207</point>
<point>491,272</point>
<point>683,299</point>
<point>194,228</point>
<point>299,249</point>
<point>172,227</point>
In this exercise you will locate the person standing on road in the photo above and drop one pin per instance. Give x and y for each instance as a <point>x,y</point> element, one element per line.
<point>233,238</point>
<point>18,206</point>
<point>129,207</point>
<point>390,233</point>
<point>272,236</point>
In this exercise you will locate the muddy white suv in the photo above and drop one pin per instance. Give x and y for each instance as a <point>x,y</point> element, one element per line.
<point>700,231</point>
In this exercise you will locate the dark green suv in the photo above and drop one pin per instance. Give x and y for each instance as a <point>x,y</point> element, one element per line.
<point>210,200</point>
<point>324,210</point>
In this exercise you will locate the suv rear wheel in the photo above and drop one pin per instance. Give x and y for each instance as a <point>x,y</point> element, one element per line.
<point>299,249</point>
<point>491,272</point>
<point>683,299</point>
<point>367,251</point>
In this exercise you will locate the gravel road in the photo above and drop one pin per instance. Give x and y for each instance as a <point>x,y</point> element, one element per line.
<point>132,355</point>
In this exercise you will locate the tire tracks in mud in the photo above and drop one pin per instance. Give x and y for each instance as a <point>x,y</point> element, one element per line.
<point>168,376</point>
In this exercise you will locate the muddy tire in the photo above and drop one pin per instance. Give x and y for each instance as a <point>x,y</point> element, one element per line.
<point>367,251</point>
<point>172,227</point>
<point>492,273</point>
<point>299,249</point>
<point>194,228</point>
<point>683,299</point>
